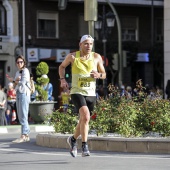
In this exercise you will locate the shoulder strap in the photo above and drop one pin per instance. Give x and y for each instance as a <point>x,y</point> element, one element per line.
<point>77,54</point>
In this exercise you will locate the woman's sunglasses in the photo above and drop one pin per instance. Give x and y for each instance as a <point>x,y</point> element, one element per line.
<point>19,62</point>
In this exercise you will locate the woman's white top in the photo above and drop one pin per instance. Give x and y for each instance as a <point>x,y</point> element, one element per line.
<point>23,85</point>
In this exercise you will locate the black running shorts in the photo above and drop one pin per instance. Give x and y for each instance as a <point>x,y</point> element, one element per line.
<point>80,100</point>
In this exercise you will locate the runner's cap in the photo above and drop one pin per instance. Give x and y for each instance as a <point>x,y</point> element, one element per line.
<point>86,37</point>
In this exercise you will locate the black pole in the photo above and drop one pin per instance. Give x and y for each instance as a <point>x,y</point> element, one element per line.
<point>104,40</point>
<point>152,23</point>
<point>152,38</point>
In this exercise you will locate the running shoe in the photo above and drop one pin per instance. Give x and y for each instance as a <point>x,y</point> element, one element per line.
<point>85,150</point>
<point>73,147</point>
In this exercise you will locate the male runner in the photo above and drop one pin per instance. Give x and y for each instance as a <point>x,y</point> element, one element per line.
<point>87,66</point>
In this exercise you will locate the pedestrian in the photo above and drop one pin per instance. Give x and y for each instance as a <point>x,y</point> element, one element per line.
<point>3,120</point>
<point>11,102</point>
<point>33,94</point>
<point>49,88</point>
<point>32,83</point>
<point>22,87</point>
<point>65,99</point>
<point>87,66</point>
<point>128,92</point>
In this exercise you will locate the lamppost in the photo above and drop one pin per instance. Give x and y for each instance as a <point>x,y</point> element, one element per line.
<point>103,26</point>
<point>119,29</point>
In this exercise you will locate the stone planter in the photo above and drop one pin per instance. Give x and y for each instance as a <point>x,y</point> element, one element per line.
<point>39,110</point>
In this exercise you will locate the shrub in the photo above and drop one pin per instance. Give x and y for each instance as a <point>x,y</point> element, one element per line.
<point>117,114</point>
<point>41,69</point>
<point>63,122</point>
<point>154,115</point>
<point>130,118</point>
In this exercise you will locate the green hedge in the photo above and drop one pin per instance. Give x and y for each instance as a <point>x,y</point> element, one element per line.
<point>130,118</point>
<point>116,114</point>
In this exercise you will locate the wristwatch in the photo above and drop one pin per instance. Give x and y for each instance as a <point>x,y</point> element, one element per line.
<point>100,75</point>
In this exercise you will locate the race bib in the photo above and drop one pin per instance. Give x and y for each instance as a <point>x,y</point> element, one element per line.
<point>85,83</point>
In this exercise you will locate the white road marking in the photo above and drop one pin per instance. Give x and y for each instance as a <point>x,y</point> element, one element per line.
<point>3,130</point>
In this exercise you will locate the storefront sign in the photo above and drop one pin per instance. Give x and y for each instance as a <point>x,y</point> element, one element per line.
<point>61,54</point>
<point>32,55</point>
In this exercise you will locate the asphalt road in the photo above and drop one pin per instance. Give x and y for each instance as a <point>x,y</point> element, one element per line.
<point>29,156</point>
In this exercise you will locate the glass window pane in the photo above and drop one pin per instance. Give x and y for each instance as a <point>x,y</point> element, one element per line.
<point>129,28</point>
<point>133,37</point>
<point>47,25</point>
<point>131,31</point>
<point>47,28</point>
<point>2,20</point>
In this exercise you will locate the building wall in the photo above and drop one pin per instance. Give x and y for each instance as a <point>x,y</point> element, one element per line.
<point>9,41</point>
<point>69,33</point>
<point>68,30</point>
<point>68,24</point>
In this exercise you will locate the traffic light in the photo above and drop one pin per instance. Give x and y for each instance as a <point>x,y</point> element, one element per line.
<point>115,61</point>
<point>128,58</point>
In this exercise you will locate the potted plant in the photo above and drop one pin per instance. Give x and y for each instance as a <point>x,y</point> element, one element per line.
<point>41,107</point>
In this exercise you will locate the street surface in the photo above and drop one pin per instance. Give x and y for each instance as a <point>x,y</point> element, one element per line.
<point>29,156</point>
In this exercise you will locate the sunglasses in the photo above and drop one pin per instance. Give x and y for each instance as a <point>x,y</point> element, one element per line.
<point>19,62</point>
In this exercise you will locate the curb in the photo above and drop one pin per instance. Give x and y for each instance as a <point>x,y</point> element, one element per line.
<point>33,128</point>
<point>112,144</point>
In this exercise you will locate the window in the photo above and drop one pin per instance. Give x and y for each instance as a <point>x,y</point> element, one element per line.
<point>159,30</point>
<point>129,28</point>
<point>3,28</point>
<point>47,25</point>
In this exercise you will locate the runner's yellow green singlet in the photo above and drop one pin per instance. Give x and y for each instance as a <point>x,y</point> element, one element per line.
<point>82,82</point>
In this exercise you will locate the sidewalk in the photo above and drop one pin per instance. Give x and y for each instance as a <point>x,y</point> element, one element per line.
<point>33,128</point>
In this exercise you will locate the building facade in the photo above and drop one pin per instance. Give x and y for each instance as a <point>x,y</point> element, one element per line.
<point>9,36</point>
<point>47,33</point>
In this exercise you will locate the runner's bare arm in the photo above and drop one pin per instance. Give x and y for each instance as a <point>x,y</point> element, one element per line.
<point>101,70</point>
